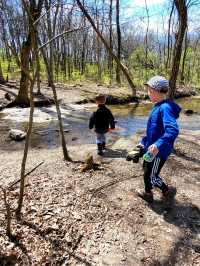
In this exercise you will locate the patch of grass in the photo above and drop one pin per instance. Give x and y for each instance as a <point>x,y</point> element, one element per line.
<point>135,65</point>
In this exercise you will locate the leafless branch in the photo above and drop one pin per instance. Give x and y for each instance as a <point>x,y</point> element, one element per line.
<point>61,34</point>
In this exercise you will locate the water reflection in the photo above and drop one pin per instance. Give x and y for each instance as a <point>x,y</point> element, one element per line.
<point>132,117</point>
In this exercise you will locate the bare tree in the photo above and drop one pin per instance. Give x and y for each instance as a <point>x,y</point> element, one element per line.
<point>169,37</point>
<point>118,79</point>
<point>33,11</point>
<point>182,18</point>
<point>50,71</point>
<point>182,76</point>
<point>31,80</point>
<point>146,39</point>
<point>110,59</point>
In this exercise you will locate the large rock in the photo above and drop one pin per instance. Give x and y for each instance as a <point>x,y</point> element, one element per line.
<point>16,134</point>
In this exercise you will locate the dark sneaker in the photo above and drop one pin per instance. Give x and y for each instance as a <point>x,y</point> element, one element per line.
<point>146,196</point>
<point>100,152</point>
<point>170,194</point>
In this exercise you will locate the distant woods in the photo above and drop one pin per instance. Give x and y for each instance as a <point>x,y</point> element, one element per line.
<point>74,51</point>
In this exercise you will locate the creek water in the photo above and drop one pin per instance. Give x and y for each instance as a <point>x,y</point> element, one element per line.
<point>130,118</point>
<point>133,117</point>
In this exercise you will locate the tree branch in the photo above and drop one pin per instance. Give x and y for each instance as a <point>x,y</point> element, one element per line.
<point>61,34</point>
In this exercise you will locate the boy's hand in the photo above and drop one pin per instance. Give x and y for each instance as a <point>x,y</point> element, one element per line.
<point>153,149</point>
<point>110,130</point>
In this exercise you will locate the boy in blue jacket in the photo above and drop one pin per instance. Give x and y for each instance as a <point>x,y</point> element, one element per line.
<point>161,132</point>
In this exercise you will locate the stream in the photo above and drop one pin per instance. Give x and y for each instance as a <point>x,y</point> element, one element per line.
<point>130,118</point>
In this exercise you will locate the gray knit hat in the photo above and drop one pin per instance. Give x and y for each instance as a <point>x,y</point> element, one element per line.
<point>158,83</point>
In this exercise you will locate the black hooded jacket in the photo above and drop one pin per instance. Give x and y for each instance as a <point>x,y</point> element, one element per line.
<point>102,119</point>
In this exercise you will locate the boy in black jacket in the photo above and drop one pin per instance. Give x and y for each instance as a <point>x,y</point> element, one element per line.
<point>102,120</point>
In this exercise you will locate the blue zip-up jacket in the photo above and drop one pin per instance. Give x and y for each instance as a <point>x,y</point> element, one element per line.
<point>162,128</point>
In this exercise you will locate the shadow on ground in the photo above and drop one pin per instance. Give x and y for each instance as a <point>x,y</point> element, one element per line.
<point>186,216</point>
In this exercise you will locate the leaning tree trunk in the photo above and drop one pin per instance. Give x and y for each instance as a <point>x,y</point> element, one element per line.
<point>123,68</point>
<point>182,17</point>
<point>50,72</point>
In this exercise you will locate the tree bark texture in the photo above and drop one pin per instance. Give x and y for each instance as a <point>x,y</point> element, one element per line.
<point>118,78</point>
<point>33,12</point>
<point>182,18</point>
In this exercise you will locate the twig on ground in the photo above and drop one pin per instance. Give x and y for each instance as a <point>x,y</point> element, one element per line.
<point>13,184</point>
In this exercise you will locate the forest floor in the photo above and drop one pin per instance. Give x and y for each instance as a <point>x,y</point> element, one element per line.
<point>95,217</point>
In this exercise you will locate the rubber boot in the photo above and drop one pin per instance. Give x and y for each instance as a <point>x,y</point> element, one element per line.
<point>104,146</point>
<point>99,149</point>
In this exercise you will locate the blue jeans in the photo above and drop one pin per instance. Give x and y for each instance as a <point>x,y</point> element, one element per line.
<point>100,138</point>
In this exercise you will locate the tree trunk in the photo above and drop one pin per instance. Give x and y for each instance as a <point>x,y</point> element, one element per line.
<point>33,12</point>
<point>83,52</point>
<point>2,80</point>
<point>182,17</point>
<point>182,78</point>
<point>146,40</point>
<point>168,38</point>
<point>23,165</point>
<point>38,71</point>
<point>118,78</point>
<point>110,58</point>
<point>22,97</point>
<point>33,39</point>
<point>52,85</point>
<point>98,49</point>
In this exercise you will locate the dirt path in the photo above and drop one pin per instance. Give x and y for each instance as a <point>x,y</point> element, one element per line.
<point>95,218</point>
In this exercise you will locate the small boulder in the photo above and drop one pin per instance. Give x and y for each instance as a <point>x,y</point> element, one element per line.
<point>189,112</point>
<point>16,134</point>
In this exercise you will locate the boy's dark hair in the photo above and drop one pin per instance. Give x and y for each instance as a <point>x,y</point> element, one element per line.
<point>100,98</point>
<point>163,90</point>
